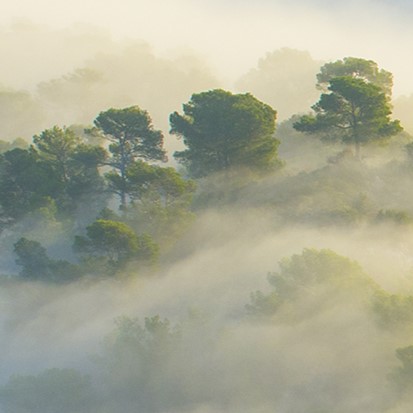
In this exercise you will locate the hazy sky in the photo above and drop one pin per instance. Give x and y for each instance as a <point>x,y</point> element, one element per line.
<point>233,34</point>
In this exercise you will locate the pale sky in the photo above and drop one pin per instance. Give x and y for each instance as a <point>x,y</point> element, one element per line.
<point>231,35</point>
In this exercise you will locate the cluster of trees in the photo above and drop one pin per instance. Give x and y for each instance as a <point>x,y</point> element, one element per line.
<point>120,156</point>
<point>317,280</point>
<point>133,369</point>
<point>355,104</point>
<point>156,365</point>
<point>63,170</point>
<point>120,208</point>
<point>305,283</point>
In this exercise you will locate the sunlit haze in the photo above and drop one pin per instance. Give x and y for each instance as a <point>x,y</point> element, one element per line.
<point>189,223</point>
<point>232,35</point>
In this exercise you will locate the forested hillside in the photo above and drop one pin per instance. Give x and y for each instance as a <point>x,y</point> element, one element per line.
<point>171,245</point>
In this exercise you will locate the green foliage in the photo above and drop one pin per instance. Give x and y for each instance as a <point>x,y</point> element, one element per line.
<point>36,264</point>
<point>223,131</point>
<point>336,194</point>
<point>263,305</point>
<point>366,70</point>
<point>84,169</point>
<point>32,256</point>
<point>402,377</point>
<point>317,280</point>
<point>354,112</point>
<point>131,136</point>
<point>56,145</point>
<point>54,390</point>
<point>116,243</point>
<point>165,185</point>
<point>160,200</point>
<point>394,216</point>
<point>311,281</point>
<point>26,183</point>
<point>108,215</point>
<point>393,311</point>
<point>318,267</point>
<point>73,163</point>
<point>59,167</point>
<point>135,364</point>
<point>147,341</point>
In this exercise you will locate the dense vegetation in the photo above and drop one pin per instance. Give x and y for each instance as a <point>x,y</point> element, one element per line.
<point>94,208</point>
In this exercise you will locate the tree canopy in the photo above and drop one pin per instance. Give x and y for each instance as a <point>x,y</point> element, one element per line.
<point>59,169</point>
<point>367,70</point>
<point>135,364</point>
<point>36,264</point>
<point>131,136</point>
<point>222,130</point>
<point>355,111</point>
<point>163,185</point>
<point>74,162</point>
<point>306,282</point>
<point>160,200</point>
<point>116,243</point>
<point>57,145</point>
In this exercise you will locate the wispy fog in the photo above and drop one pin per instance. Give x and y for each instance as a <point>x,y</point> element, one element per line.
<point>338,358</point>
<point>288,293</point>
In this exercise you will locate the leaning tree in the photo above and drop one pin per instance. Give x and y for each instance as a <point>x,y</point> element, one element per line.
<point>354,111</point>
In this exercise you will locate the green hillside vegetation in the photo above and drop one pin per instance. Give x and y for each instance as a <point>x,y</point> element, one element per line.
<point>96,209</point>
